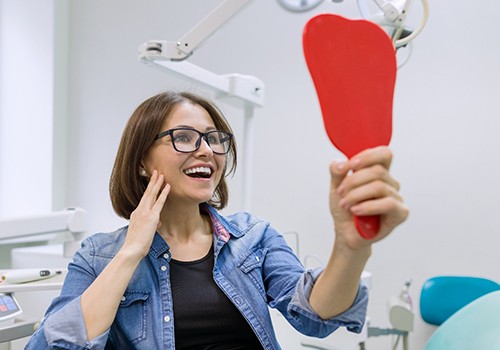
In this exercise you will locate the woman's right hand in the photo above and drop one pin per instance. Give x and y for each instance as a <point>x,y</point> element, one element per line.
<point>100,302</point>
<point>145,219</point>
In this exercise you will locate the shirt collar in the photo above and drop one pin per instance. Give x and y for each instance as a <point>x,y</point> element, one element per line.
<point>159,246</point>
<point>223,229</point>
<point>219,224</point>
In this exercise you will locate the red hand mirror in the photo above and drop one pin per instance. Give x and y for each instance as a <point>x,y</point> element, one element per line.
<point>353,66</point>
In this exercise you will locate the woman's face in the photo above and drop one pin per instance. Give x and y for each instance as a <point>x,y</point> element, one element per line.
<point>194,176</point>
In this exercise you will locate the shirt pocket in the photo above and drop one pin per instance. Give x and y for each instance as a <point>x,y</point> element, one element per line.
<point>251,266</point>
<point>131,316</point>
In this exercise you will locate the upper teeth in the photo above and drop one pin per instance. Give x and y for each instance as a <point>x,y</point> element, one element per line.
<point>205,170</point>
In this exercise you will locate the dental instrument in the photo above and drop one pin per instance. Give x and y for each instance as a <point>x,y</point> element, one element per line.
<point>27,275</point>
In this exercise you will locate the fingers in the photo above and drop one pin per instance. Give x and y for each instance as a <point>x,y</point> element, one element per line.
<point>365,176</point>
<point>370,178</point>
<point>380,155</point>
<point>338,170</point>
<point>150,195</point>
<point>379,206</point>
<point>370,191</point>
<point>147,193</point>
<point>363,186</point>
<point>391,211</point>
<point>145,219</point>
<point>160,201</point>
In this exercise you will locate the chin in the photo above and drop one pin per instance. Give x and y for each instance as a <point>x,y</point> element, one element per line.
<point>203,199</point>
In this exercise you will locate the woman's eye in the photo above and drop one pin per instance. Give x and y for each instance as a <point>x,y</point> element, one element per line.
<point>182,138</point>
<point>213,140</point>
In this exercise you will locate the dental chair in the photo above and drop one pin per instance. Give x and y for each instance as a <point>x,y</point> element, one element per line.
<point>466,311</point>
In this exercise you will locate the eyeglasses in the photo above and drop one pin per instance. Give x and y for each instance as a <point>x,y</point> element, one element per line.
<point>187,140</point>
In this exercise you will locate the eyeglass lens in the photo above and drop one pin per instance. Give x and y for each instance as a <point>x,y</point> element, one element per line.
<point>187,140</point>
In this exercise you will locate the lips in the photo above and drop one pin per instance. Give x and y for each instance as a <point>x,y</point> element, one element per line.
<point>199,172</point>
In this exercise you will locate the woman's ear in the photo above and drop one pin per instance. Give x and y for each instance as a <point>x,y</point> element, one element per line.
<point>143,171</point>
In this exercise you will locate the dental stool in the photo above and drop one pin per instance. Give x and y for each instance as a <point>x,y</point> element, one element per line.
<point>467,311</point>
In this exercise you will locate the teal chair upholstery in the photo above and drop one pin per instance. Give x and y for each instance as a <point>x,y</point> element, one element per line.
<point>476,326</point>
<point>442,296</point>
<point>466,309</point>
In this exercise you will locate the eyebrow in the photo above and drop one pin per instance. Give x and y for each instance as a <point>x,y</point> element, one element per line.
<point>208,128</point>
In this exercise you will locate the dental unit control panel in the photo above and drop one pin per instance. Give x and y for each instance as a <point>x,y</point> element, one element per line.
<point>9,309</point>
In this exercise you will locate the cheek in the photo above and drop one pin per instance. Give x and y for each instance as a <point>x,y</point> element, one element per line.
<point>163,161</point>
<point>221,165</point>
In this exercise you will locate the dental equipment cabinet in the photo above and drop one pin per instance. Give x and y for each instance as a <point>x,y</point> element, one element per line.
<point>14,323</point>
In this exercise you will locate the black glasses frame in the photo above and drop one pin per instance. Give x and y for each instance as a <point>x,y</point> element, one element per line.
<point>203,135</point>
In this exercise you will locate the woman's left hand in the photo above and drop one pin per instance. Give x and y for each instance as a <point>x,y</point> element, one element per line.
<point>363,186</point>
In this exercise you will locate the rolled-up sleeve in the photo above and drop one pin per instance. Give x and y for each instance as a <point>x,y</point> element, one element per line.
<point>63,326</point>
<point>301,312</point>
<point>64,330</point>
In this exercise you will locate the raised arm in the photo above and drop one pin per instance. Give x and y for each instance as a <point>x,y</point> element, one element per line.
<point>360,186</point>
<point>101,300</point>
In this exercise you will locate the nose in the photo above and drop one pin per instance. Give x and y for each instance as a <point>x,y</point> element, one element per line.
<point>204,149</point>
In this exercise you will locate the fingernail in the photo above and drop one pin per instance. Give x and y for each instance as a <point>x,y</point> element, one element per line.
<point>340,166</point>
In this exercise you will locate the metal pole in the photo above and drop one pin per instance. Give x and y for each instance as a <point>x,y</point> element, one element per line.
<point>247,155</point>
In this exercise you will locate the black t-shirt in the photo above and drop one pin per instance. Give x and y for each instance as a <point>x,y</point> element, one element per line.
<point>204,317</point>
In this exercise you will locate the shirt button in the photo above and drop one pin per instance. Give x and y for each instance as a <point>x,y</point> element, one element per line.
<point>163,268</point>
<point>166,318</point>
<point>166,256</point>
<point>124,298</point>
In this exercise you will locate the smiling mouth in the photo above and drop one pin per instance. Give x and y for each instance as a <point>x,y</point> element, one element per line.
<point>199,172</point>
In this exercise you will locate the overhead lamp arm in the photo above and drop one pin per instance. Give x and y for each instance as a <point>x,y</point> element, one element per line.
<point>242,91</point>
<point>390,11</point>
<point>394,13</point>
<point>184,47</point>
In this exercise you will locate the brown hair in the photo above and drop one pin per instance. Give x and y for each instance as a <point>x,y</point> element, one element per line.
<point>126,185</point>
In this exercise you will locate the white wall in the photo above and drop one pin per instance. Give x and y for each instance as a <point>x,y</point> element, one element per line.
<point>445,128</point>
<point>26,106</point>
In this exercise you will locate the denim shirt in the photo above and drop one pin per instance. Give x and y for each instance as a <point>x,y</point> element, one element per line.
<point>254,267</point>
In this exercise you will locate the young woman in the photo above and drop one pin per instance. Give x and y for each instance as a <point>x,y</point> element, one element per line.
<point>180,275</point>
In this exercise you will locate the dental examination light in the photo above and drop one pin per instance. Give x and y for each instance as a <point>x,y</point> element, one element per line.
<point>394,15</point>
<point>241,91</point>
<point>71,220</point>
<point>391,16</point>
<point>299,5</point>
